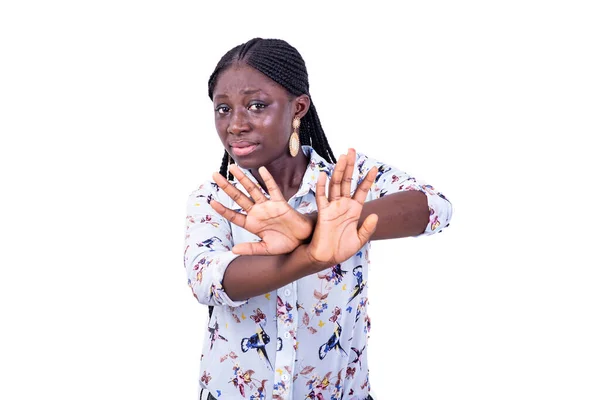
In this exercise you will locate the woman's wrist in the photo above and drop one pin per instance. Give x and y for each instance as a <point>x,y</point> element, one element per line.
<point>312,218</point>
<point>313,264</point>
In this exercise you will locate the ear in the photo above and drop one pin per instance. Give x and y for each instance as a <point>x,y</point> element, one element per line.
<point>300,105</point>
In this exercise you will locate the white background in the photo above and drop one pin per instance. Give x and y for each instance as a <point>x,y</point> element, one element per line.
<point>107,127</point>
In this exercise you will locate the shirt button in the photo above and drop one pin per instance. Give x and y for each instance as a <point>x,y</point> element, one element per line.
<point>285,377</point>
<point>287,292</point>
<point>286,335</point>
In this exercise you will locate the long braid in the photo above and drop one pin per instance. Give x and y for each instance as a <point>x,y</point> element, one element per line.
<point>224,165</point>
<point>282,63</point>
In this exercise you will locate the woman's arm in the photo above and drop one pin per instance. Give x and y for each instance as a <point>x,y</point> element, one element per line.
<point>207,248</point>
<point>400,214</point>
<point>404,205</point>
<point>249,276</point>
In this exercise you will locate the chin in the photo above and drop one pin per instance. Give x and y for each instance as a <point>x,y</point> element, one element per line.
<point>249,162</point>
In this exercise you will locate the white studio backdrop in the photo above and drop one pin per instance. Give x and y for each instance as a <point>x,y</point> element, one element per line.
<point>106,127</point>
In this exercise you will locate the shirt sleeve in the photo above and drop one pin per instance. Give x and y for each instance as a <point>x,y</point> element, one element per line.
<point>391,180</point>
<point>207,250</point>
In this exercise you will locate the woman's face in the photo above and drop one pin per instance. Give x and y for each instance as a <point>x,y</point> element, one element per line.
<point>253,116</point>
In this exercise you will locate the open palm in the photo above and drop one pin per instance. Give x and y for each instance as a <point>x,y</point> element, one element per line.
<point>337,237</point>
<point>280,227</point>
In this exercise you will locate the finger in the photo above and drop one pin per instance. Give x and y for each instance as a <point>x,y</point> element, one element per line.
<point>236,195</point>
<point>271,185</point>
<point>252,188</point>
<point>362,190</point>
<point>251,249</point>
<point>336,178</point>
<point>367,229</point>
<point>320,192</point>
<point>232,216</point>
<point>348,172</point>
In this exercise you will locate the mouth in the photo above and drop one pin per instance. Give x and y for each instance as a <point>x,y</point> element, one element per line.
<point>243,148</point>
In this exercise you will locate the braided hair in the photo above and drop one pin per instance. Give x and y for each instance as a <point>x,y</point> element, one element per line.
<point>282,63</point>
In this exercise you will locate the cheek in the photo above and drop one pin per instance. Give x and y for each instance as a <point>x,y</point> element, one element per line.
<point>276,127</point>
<point>221,127</point>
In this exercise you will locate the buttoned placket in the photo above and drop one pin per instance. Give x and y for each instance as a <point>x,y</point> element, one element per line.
<point>286,329</point>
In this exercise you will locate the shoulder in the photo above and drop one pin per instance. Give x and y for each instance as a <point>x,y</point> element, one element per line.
<point>364,163</point>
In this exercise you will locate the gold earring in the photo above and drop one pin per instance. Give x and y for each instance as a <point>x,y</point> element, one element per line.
<point>295,139</point>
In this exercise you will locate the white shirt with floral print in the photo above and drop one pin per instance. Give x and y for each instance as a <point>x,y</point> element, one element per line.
<point>307,339</point>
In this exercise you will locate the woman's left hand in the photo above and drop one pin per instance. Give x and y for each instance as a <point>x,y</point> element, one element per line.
<point>337,235</point>
<point>280,227</point>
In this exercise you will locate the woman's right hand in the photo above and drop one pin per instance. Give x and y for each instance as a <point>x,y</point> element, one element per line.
<point>281,228</point>
<point>337,237</point>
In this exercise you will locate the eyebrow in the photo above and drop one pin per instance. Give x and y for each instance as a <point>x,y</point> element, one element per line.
<point>250,91</point>
<point>244,92</point>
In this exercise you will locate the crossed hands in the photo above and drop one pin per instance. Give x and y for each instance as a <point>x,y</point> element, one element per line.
<point>336,235</point>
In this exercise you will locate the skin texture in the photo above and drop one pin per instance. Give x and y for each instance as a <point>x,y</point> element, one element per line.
<point>252,110</point>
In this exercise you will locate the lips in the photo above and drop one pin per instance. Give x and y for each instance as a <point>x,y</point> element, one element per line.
<point>243,148</point>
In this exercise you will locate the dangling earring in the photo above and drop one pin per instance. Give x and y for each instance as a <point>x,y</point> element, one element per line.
<point>295,139</point>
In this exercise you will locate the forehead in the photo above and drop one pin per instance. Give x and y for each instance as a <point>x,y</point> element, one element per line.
<point>241,78</point>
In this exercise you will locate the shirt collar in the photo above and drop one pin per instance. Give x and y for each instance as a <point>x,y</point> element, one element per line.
<point>316,164</point>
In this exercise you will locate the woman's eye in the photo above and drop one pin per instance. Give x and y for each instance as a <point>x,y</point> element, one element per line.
<point>222,109</point>
<point>256,106</point>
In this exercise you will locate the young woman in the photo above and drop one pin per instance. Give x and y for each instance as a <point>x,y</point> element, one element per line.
<point>278,247</point>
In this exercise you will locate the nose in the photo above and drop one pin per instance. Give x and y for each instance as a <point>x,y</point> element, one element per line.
<point>238,123</point>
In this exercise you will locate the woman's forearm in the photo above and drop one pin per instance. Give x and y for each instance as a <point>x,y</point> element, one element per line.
<point>249,276</point>
<point>400,214</point>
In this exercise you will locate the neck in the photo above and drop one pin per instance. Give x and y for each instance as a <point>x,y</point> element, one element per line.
<point>287,171</point>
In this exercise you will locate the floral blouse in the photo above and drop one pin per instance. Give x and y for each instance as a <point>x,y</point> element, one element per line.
<point>307,339</point>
